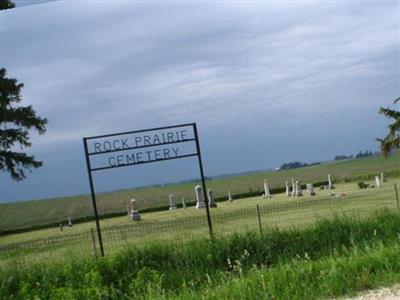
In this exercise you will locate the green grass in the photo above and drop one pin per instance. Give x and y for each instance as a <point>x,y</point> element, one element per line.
<point>52,211</point>
<point>334,276</point>
<point>283,264</point>
<point>182,225</point>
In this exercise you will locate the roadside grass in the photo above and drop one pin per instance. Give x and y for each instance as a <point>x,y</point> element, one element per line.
<point>40,212</point>
<point>310,262</point>
<point>329,277</point>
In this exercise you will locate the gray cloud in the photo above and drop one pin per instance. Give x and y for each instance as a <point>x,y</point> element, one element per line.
<point>262,76</point>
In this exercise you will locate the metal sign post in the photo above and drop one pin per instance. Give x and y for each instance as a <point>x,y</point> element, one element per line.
<point>96,215</point>
<point>161,139</point>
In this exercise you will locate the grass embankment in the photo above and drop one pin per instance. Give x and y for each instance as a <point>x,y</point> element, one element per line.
<point>331,258</point>
<point>38,213</point>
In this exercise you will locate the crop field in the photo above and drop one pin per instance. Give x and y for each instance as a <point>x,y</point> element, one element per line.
<point>52,211</point>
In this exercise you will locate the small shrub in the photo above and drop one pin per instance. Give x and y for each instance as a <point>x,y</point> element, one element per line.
<point>362,185</point>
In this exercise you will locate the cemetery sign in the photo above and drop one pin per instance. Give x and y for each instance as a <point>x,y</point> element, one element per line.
<point>141,147</point>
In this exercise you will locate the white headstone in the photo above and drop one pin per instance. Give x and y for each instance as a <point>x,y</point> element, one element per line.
<point>299,192</point>
<point>293,188</point>
<point>230,199</point>
<point>172,202</point>
<point>287,189</point>
<point>310,189</point>
<point>183,203</point>
<point>377,181</point>
<point>211,199</point>
<point>134,213</point>
<point>382,179</point>
<point>133,204</point>
<point>199,197</point>
<point>267,193</point>
<point>330,184</point>
<point>69,222</point>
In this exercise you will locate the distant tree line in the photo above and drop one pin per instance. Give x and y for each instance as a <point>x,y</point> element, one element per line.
<point>342,157</point>
<point>297,164</point>
<point>364,154</point>
<point>358,155</point>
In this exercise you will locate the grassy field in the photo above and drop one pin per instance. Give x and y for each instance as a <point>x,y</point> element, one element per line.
<point>186,224</point>
<point>285,247</point>
<point>301,263</point>
<point>40,212</point>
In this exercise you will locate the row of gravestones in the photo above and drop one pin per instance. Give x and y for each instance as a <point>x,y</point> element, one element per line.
<point>294,191</point>
<point>133,212</point>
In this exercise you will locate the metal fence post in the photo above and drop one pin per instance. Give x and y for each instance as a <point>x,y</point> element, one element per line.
<point>396,193</point>
<point>94,243</point>
<point>259,218</point>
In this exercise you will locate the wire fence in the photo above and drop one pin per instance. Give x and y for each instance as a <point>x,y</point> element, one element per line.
<point>295,212</point>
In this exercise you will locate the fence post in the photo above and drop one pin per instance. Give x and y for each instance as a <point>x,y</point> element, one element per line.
<point>94,243</point>
<point>396,193</point>
<point>259,218</point>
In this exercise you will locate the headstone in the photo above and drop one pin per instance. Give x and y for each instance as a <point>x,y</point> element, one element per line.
<point>133,204</point>
<point>230,199</point>
<point>172,202</point>
<point>293,188</point>
<point>287,189</point>
<point>299,192</point>
<point>377,181</point>
<point>134,213</point>
<point>211,199</point>
<point>199,197</point>
<point>61,227</point>
<point>310,189</point>
<point>382,179</point>
<point>267,193</point>
<point>183,203</point>
<point>69,222</point>
<point>330,184</point>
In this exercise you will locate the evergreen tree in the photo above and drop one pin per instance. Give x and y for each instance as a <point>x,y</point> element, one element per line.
<point>392,140</point>
<point>6,4</point>
<point>15,123</point>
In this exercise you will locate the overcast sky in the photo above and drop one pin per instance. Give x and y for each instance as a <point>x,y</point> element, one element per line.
<point>266,83</point>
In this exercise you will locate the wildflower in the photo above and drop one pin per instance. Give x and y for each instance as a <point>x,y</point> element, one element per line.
<point>229,263</point>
